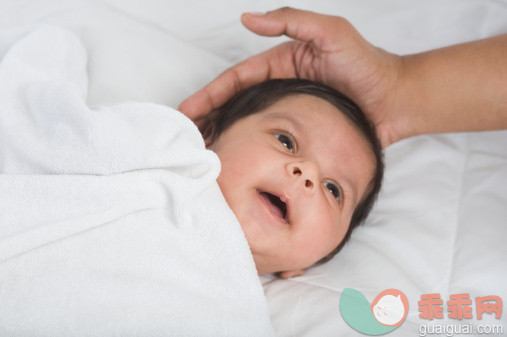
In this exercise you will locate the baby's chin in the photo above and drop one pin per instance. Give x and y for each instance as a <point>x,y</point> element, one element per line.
<point>269,268</point>
<point>262,267</point>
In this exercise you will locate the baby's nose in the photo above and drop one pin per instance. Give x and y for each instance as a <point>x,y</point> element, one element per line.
<point>305,173</point>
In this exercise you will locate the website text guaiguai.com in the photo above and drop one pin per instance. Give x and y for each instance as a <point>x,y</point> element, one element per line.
<point>460,329</point>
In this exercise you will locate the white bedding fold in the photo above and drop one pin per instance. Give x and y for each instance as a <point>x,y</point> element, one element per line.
<point>111,221</point>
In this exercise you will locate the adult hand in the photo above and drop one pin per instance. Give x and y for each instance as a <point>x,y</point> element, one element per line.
<point>326,49</point>
<point>453,89</point>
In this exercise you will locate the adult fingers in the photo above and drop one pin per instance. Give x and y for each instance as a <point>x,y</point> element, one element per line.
<point>274,63</point>
<point>225,86</point>
<point>298,24</point>
<point>277,62</point>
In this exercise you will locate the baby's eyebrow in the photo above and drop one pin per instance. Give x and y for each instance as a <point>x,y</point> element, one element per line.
<point>298,125</point>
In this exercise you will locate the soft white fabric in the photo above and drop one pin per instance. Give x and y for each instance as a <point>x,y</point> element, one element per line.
<point>439,224</point>
<point>111,220</point>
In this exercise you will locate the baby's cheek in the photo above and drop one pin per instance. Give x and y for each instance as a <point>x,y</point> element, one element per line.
<point>331,222</point>
<point>323,235</point>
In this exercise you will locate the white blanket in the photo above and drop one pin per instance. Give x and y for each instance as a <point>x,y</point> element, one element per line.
<point>439,224</point>
<point>111,220</point>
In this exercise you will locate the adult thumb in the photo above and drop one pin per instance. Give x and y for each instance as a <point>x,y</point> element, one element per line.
<point>298,24</point>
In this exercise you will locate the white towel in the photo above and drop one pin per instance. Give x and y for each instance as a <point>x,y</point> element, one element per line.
<point>111,220</point>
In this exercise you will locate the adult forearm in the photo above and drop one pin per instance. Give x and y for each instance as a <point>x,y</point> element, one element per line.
<point>457,88</point>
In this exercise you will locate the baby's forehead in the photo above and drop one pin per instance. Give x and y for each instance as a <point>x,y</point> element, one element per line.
<point>299,98</point>
<point>308,111</point>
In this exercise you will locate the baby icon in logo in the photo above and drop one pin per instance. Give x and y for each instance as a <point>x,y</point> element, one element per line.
<point>388,307</point>
<point>387,311</point>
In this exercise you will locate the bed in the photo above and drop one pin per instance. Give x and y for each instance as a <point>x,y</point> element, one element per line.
<point>440,224</point>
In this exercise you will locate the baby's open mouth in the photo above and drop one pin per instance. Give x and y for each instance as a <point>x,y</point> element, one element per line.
<point>276,205</point>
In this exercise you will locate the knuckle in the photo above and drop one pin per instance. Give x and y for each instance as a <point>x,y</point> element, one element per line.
<point>285,9</point>
<point>340,25</point>
<point>344,23</point>
<point>338,21</point>
<point>236,80</point>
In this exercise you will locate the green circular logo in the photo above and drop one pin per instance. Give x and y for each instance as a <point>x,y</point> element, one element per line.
<point>387,311</point>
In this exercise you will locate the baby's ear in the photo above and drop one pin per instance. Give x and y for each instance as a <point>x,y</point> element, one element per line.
<point>291,273</point>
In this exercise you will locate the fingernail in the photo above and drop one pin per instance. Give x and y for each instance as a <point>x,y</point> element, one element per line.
<point>255,13</point>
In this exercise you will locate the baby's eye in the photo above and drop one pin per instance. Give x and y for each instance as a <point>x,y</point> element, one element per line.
<point>334,189</point>
<point>287,140</point>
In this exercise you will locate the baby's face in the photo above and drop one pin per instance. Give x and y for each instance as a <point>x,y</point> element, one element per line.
<point>293,175</point>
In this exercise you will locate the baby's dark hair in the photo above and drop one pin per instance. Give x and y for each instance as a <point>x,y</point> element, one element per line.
<point>265,94</point>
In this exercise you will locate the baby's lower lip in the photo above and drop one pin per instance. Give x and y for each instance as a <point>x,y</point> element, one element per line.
<point>272,209</point>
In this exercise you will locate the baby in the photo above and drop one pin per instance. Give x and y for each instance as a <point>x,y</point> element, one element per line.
<point>119,213</point>
<point>301,167</point>
<point>300,163</point>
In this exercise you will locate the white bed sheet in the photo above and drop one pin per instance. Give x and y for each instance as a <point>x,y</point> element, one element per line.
<point>440,223</point>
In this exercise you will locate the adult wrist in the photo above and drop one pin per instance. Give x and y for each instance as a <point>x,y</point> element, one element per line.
<point>405,101</point>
